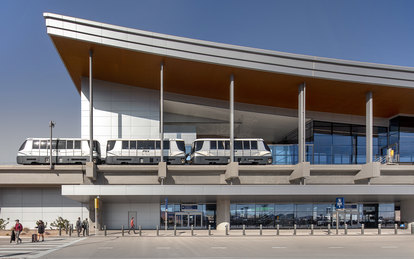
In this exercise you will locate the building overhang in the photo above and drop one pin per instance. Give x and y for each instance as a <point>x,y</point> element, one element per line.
<point>202,68</point>
<point>239,193</point>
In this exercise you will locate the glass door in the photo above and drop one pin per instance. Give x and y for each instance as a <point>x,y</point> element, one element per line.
<point>181,220</point>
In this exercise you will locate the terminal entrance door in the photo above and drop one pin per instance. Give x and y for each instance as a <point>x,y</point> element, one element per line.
<point>188,219</point>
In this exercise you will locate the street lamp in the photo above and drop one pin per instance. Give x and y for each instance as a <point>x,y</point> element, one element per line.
<point>51,125</point>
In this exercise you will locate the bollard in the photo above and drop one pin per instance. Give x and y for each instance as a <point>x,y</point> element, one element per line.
<point>70,231</point>
<point>122,230</point>
<point>192,230</point>
<point>379,228</point>
<point>244,230</point>
<point>329,229</point>
<point>140,230</point>
<point>60,230</point>
<point>395,229</point>
<point>158,231</point>
<point>362,228</point>
<point>71,228</point>
<point>261,229</point>
<point>337,228</point>
<point>412,228</point>
<point>311,229</point>
<point>66,229</point>
<point>175,229</point>
<point>277,229</point>
<point>227,230</point>
<point>294,229</point>
<point>209,230</point>
<point>346,229</point>
<point>105,234</point>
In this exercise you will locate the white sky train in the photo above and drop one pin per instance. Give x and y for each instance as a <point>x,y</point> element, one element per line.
<point>217,151</point>
<point>144,151</point>
<point>64,151</point>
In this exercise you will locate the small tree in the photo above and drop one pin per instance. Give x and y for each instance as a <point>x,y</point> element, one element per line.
<point>3,223</point>
<point>60,222</point>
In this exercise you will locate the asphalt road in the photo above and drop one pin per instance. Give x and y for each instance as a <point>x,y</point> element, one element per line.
<point>389,246</point>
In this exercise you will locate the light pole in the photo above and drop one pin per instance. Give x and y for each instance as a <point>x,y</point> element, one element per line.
<point>51,125</point>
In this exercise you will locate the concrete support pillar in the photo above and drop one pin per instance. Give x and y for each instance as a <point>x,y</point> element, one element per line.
<point>98,216</point>
<point>231,118</point>
<point>369,127</point>
<point>90,106</point>
<point>407,212</point>
<point>301,124</point>
<point>223,213</point>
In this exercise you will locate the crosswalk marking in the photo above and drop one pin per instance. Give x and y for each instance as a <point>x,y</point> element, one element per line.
<point>35,250</point>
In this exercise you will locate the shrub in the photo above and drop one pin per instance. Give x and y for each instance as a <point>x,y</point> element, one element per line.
<point>3,223</point>
<point>26,230</point>
<point>60,222</point>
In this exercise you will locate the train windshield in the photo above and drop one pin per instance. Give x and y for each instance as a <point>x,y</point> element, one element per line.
<point>181,145</point>
<point>23,145</point>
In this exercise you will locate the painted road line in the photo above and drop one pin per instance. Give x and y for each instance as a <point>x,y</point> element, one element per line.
<point>57,248</point>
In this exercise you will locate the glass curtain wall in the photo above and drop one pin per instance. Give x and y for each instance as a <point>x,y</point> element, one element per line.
<point>402,138</point>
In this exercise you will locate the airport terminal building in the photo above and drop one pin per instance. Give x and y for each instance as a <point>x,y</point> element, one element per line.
<point>335,129</point>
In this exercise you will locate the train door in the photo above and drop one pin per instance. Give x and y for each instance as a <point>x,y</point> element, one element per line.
<point>69,148</point>
<point>77,149</point>
<point>221,148</point>
<point>35,147</point>
<point>254,151</point>
<point>213,148</point>
<point>132,148</point>
<point>238,149</point>
<point>44,150</point>
<point>246,148</point>
<point>61,151</point>
<point>150,148</point>
<point>125,148</point>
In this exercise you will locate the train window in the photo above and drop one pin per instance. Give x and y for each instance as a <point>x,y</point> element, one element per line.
<point>266,147</point>
<point>125,144</point>
<point>246,145</point>
<point>181,145</point>
<point>213,144</point>
<point>238,144</point>
<point>132,145</point>
<point>53,144</point>
<point>140,144</point>
<point>110,145</point>
<point>254,144</point>
<point>43,144</point>
<point>227,144</point>
<point>23,145</point>
<point>166,144</point>
<point>35,144</point>
<point>199,145</point>
<point>220,144</point>
<point>62,144</point>
<point>77,144</point>
<point>69,144</point>
<point>96,146</point>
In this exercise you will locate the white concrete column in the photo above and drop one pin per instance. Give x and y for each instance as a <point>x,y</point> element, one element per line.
<point>223,213</point>
<point>407,212</point>
<point>90,106</point>
<point>369,127</point>
<point>98,216</point>
<point>301,123</point>
<point>162,110</point>
<point>232,118</point>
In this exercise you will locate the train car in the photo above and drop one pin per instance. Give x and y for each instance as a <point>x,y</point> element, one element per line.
<point>144,151</point>
<point>64,151</point>
<point>217,151</point>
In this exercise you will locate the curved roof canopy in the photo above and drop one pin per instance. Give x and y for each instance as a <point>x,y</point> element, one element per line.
<point>203,68</point>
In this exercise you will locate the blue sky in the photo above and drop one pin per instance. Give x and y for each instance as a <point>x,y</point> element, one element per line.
<point>36,88</point>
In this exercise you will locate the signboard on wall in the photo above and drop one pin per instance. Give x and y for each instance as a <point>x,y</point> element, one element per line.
<point>189,207</point>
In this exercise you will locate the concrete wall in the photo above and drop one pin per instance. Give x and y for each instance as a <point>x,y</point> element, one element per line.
<point>115,214</point>
<point>120,111</point>
<point>32,204</point>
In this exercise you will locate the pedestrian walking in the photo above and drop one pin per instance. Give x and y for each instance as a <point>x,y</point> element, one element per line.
<point>41,231</point>
<point>131,225</point>
<point>18,228</point>
<point>78,226</point>
<point>85,226</point>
